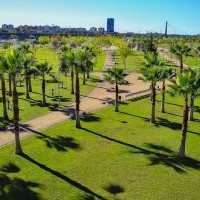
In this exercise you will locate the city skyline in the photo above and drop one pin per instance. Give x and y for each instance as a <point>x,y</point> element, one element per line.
<point>130,15</point>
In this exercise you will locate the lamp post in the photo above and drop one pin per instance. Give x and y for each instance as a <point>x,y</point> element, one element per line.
<point>58,80</point>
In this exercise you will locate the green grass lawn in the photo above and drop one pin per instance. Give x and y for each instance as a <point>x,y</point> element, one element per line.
<point>100,62</point>
<point>47,54</point>
<point>134,61</point>
<point>167,63</point>
<point>114,156</point>
<point>192,61</point>
<point>33,107</point>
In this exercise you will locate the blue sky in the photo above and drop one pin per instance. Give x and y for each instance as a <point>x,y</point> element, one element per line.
<point>130,15</point>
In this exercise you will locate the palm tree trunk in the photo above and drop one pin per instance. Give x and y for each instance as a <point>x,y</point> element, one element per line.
<point>27,87</point>
<point>88,74</point>
<point>184,129</point>
<point>72,81</point>
<point>43,91</point>
<point>10,86</point>
<point>18,149</point>
<point>83,78</point>
<point>192,107</point>
<point>116,97</point>
<point>30,85</point>
<point>78,124</point>
<point>181,64</point>
<point>163,98</point>
<point>3,90</point>
<point>153,91</point>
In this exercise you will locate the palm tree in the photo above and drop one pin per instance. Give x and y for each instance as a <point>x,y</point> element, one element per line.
<point>70,59</point>
<point>79,64</point>
<point>195,81</point>
<point>24,48</point>
<point>28,61</point>
<point>90,57</point>
<point>152,75</point>
<point>180,51</point>
<point>14,60</point>
<point>3,69</point>
<point>43,68</point>
<point>183,87</point>
<point>87,57</point>
<point>165,74</point>
<point>117,75</point>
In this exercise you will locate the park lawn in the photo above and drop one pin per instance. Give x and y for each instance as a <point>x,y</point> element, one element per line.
<point>134,61</point>
<point>32,108</point>
<point>114,153</point>
<point>192,61</point>
<point>100,62</point>
<point>47,54</point>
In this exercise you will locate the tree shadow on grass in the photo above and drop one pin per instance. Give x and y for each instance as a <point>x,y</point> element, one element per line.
<point>16,188</point>
<point>89,117</point>
<point>160,155</point>
<point>62,99</point>
<point>173,114</point>
<point>86,197</point>
<point>59,143</point>
<point>125,113</point>
<point>171,103</point>
<point>63,177</point>
<point>195,133</point>
<point>114,189</point>
<point>10,168</point>
<point>168,158</point>
<point>5,123</point>
<point>165,122</point>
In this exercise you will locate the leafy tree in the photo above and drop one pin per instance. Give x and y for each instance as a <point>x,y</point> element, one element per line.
<point>43,40</point>
<point>118,76</point>
<point>55,42</point>
<point>148,46</point>
<point>14,60</point>
<point>183,87</point>
<point>124,51</point>
<point>180,51</point>
<point>43,68</point>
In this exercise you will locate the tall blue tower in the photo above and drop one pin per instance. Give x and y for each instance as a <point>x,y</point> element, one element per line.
<point>110,25</point>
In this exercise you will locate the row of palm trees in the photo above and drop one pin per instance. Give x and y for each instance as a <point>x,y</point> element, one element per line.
<point>21,58</point>
<point>77,61</point>
<point>185,84</point>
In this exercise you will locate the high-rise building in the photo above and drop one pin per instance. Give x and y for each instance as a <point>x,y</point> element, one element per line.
<point>110,25</point>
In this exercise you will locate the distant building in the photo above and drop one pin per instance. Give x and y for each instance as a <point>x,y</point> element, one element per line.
<point>101,30</point>
<point>110,25</point>
<point>9,27</point>
<point>93,29</point>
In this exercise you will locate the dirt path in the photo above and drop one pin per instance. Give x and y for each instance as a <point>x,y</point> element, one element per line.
<point>101,97</point>
<point>165,53</point>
